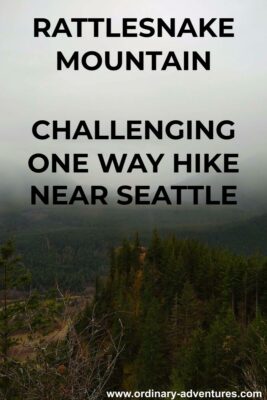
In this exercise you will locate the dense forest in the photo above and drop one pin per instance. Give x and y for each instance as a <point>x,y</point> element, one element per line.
<point>72,247</point>
<point>172,315</point>
<point>193,316</point>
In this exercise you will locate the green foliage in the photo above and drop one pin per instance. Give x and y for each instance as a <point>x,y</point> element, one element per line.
<point>191,314</point>
<point>152,365</point>
<point>13,275</point>
<point>26,314</point>
<point>71,245</point>
<point>193,317</point>
<point>222,352</point>
<point>256,354</point>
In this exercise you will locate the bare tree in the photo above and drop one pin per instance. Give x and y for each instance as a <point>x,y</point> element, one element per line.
<point>255,370</point>
<point>76,366</point>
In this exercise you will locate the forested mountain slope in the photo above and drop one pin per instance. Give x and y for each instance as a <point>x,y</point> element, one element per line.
<point>194,317</point>
<point>73,247</point>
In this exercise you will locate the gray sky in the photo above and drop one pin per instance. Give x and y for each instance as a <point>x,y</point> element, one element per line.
<point>32,89</point>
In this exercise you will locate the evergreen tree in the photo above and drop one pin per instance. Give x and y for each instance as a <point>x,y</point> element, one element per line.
<point>255,348</point>
<point>188,369</point>
<point>152,366</point>
<point>186,309</point>
<point>222,352</point>
<point>185,317</point>
<point>13,275</point>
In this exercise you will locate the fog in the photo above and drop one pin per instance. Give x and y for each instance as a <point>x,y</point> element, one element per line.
<point>32,88</point>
